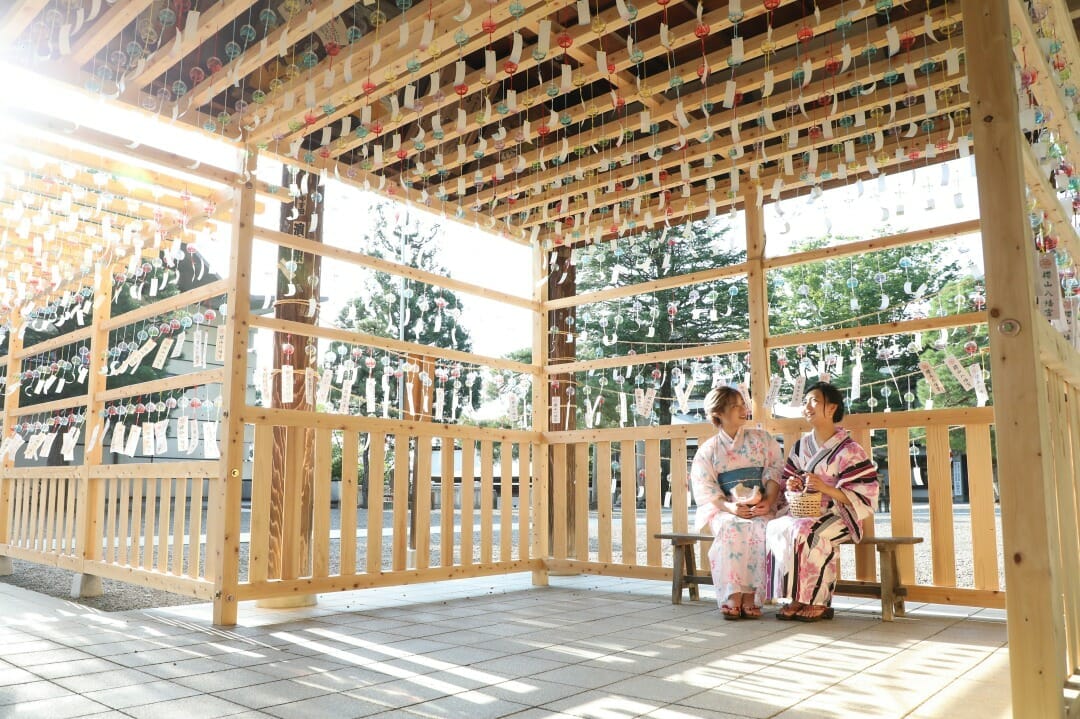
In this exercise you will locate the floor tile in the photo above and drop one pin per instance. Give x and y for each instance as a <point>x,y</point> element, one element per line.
<point>28,692</point>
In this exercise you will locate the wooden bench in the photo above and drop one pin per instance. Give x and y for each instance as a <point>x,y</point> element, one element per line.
<point>890,589</point>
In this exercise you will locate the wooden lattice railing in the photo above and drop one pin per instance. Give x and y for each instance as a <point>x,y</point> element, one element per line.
<point>139,523</point>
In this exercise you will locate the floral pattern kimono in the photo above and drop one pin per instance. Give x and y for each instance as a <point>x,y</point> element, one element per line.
<point>737,556</point>
<point>803,548</point>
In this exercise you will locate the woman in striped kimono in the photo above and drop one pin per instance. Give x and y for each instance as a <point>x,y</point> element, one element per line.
<point>828,461</point>
<point>736,478</point>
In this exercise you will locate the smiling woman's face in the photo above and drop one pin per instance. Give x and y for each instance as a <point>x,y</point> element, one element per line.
<point>735,415</point>
<point>816,410</point>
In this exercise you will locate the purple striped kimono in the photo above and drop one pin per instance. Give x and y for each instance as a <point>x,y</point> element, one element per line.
<point>803,548</point>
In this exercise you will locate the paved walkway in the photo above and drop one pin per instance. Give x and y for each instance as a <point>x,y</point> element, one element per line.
<point>583,647</point>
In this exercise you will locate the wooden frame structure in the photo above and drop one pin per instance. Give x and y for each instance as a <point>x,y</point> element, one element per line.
<point>549,129</point>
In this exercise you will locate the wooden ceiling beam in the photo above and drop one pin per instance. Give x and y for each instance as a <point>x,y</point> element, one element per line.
<point>475,81</point>
<point>750,82</point>
<point>299,26</point>
<point>30,157</point>
<point>696,206</point>
<point>19,17</point>
<point>370,182</point>
<point>104,30</point>
<point>613,22</point>
<point>210,23</point>
<point>649,193</point>
<point>700,152</point>
<point>719,121</point>
<point>390,55</point>
<point>141,156</point>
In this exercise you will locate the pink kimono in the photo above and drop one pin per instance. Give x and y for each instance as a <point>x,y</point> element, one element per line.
<point>737,556</point>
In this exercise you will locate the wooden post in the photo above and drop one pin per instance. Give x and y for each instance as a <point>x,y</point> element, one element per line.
<point>758,302</point>
<point>90,495</point>
<point>292,481</point>
<point>558,349</point>
<point>11,404</point>
<point>224,529</point>
<point>541,523</point>
<point>1034,598</point>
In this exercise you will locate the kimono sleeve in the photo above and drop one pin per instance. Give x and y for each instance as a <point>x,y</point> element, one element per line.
<point>858,480</point>
<point>703,473</point>
<point>774,459</point>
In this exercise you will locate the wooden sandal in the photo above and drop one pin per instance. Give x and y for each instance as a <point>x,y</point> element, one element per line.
<point>731,611</point>
<point>787,613</point>
<point>751,611</point>
<point>818,613</point>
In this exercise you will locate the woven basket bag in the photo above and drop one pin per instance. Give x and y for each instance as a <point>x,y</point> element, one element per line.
<point>804,504</point>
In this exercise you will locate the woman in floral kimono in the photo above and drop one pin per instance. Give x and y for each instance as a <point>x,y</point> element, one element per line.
<point>828,461</point>
<point>736,478</point>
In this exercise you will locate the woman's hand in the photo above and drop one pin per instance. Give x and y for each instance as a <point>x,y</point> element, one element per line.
<point>794,484</point>
<point>743,511</point>
<point>761,509</point>
<point>814,483</point>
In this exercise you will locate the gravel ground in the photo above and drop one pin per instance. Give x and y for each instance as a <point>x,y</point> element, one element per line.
<point>121,596</point>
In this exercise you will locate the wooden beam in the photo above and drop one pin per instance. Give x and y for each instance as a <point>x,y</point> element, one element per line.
<point>19,17</point>
<point>104,30</point>
<point>223,520</point>
<point>356,423</point>
<point>192,379</point>
<point>370,182</point>
<point>360,259</point>
<point>722,348</point>
<point>758,302</point>
<point>876,244</point>
<point>613,127</point>
<point>696,205</point>
<point>141,155</point>
<point>640,288</point>
<point>842,334</point>
<point>1034,601</point>
<point>601,182</point>
<point>168,54</point>
<point>360,338</point>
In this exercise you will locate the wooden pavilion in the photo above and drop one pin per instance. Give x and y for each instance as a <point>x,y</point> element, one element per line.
<point>554,124</point>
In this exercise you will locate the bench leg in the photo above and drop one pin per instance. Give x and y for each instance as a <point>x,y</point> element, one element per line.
<point>677,573</point>
<point>898,600</point>
<point>889,578</point>
<point>691,569</point>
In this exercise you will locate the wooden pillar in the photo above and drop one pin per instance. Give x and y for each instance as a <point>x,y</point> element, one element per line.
<point>758,301</point>
<point>225,498</point>
<point>1033,600</point>
<point>413,409</point>
<point>541,522</point>
<point>90,495</point>
<point>11,404</point>
<point>559,349</point>
<point>292,480</point>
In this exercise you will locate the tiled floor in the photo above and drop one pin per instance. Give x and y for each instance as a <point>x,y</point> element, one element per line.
<point>495,647</point>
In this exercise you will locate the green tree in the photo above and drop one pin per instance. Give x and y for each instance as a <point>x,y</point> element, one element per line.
<point>502,388</point>
<point>398,308</point>
<point>697,314</point>
<point>890,285</point>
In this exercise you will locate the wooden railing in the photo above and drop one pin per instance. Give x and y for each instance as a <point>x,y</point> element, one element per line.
<point>413,529</point>
<point>139,523</point>
<point>590,488</point>
<point>1061,364</point>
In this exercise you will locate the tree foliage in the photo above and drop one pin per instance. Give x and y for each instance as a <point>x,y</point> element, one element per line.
<point>890,285</point>
<point>399,308</point>
<point>704,313</point>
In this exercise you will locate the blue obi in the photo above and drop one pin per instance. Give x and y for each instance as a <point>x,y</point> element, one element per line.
<point>749,477</point>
